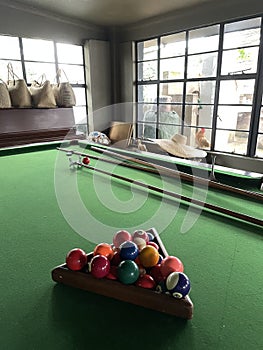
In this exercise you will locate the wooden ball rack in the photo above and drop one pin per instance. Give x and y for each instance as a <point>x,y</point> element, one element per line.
<point>146,298</point>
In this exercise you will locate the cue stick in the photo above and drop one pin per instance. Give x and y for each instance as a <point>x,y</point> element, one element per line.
<point>133,166</point>
<point>187,177</point>
<point>197,202</point>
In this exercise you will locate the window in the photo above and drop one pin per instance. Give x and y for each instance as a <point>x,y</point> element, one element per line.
<point>33,57</point>
<point>204,78</point>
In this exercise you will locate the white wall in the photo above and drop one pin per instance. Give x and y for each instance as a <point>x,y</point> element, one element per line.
<point>20,21</point>
<point>98,76</point>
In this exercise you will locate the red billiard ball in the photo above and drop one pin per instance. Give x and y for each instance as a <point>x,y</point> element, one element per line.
<point>86,160</point>
<point>99,266</point>
<point>156,273</point>
<point>76,259</point>
<point>171,264</point>
<point>146,281</point>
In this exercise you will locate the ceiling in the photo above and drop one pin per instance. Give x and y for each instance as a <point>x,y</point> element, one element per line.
<point>106,12</point>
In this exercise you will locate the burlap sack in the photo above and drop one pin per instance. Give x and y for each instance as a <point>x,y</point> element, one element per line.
<point>42,94</point>
<point>18,90</point>
<point>5,100</point>
<point>63,92</point>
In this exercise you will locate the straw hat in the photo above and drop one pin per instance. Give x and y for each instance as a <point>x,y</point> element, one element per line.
<point>178,147</point>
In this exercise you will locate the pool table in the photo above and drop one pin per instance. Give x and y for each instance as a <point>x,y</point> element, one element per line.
<point>49,207</point>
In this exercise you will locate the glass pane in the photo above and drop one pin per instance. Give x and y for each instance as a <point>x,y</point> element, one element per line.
<point>74,74</point>
<point>9,47</point>
<point>202,143</point>
<point>38,50</point>
<point>203,65</point>
<point>239,61</point>
<point>196,116</point>
<point>234,117</point>
<point>35,70</point>
<point>202,91</point>
<point>166,131</point>
<point>242,33</point>
<point>231,141</point>
<point>203,39</point>
<point>17,67</point>
<point>259,150</point>
<point>173,45</point>
<point>174,90</point>
<point>80,115</point>
<point>261,121</point>
<point>147,70</point>
<point>147,93</point>
<point>147,50</point>
<point>236,91</point>
<point>149,130</point>
<point>69,53</point>
<point>172,68</point>
<point>143,108</point>
<point>80,96</point>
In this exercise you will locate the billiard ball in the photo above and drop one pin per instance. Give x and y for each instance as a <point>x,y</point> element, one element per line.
<point>156,273</point>
<point>141,234</point>
<point>104,249</point>
<point>86,160</point>
<point>140,242</point>
<point>128,272</point>
<point>155,245</point>
<point>116,259</point>
<point>99,266</point>
<point>145,281</point>
<point>112,275</point>
<point>171,264</point>
<point>149,256</point>
<point>161,288</point>
<point>128,250</point>
<point>76,259</point>
<point>120,237</point>
<point>178,284</point>
<point>150,236</point>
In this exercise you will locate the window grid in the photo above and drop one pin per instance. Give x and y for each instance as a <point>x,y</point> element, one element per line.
<point>27,69</point>
<point>252,133</point>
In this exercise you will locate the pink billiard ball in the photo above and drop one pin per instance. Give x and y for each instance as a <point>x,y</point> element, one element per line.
<point>120,237</point>
<point>171,264</point>
<point>76,259</point>
<point>99,266</point>
<point>141,234</point>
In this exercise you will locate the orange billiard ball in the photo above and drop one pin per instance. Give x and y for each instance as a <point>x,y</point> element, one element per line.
<point>104,249</point>
<point>149,256</point>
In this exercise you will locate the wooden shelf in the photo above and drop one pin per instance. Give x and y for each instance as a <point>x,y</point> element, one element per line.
<point>30,125</point>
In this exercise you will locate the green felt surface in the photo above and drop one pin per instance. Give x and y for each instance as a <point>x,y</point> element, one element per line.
<point>222,257</point>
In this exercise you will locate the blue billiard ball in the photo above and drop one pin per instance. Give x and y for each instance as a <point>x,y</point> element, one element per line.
<point>129,250</point>
<point>178,284</point>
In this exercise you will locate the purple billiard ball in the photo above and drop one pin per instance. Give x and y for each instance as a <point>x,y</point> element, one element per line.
<point>129,250</point>
<point>178,284</point>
